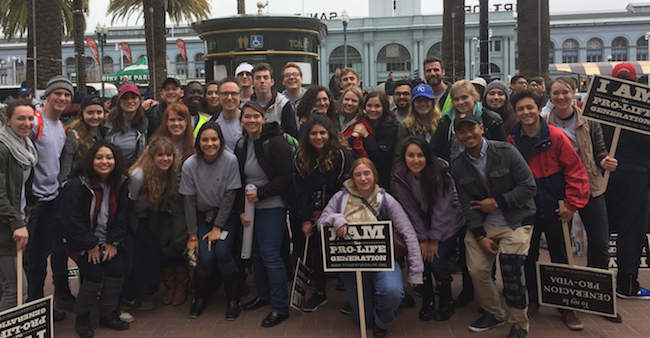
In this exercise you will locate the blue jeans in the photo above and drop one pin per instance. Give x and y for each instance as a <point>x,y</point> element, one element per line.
<point>382,295</point>
<point>440,266</point>
<point>221,251</point>
<point>270,271</point>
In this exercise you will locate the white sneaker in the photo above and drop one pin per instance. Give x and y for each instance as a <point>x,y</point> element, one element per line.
<point>126,317</point>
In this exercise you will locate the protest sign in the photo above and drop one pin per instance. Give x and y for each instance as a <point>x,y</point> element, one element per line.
<point>32,320</point>
<point>618,102</point>
<point>368,246</point>
<point>299,287</point>
<point>613,264</point>
<point>576,288</point>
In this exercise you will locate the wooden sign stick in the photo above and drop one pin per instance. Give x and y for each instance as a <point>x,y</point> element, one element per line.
<point>567,238</point>
<point>612,150</point>
<point>19,275</point>
<point>362,308</point>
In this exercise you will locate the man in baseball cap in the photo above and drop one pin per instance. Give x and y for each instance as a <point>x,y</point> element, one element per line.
<point>170,92</point>
<point>625,71</point>
<point>244,74</point>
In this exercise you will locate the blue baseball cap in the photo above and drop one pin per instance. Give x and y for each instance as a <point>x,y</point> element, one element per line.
<point>422,90</point>
<point>24,91</point>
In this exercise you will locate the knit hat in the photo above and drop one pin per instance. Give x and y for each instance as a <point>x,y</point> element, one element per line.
<point>497,84</point>
<point>90,100</point>
<point>58,82</point>
<point>624,71</point>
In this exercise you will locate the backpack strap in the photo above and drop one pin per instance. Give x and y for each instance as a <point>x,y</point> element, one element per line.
<point>39,127</point>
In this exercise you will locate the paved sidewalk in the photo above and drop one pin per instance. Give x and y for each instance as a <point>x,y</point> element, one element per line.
<point>328,321</point>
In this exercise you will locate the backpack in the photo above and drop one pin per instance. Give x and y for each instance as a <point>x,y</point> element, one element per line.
<point>39,128</point>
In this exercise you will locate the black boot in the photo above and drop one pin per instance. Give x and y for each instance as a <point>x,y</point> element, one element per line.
<point>231,284</point>
<point>82,326</point>
<point>201,295</point>
<point>446,308</point>
<point>428,298</point>
<point>109,314</point>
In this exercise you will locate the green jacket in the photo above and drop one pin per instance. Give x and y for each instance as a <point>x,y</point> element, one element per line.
<point>11,180</point>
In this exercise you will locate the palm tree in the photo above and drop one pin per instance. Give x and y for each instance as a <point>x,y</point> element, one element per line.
<point>154,26</point>
<point>533,37</point>
<point>79,47</point>
<point>453,38</point>
<point>50,30</point>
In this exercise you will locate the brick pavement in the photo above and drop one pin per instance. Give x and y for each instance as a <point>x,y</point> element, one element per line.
<point>329,322</point>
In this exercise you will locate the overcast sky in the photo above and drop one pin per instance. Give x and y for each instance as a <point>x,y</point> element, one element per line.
<point>357,8</point>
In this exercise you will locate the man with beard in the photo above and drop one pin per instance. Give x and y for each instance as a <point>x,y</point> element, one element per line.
<point>402,99</point>
<point>228,120</point>
<point>193,99</point>
<point>434,72</point>
<point>170,92</point>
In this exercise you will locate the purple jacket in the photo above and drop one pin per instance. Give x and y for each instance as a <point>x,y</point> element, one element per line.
<point>390,209</point>
<point>444,218</point>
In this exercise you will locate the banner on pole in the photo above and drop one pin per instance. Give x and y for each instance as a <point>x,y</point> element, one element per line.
<point>93,48</point>
<point>31,320</point>
<point>368,246</point>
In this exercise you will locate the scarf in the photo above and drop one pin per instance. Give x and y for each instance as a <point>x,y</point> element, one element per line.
<point>355,210</point>
<point>99,196</point>
<point>22,149</point>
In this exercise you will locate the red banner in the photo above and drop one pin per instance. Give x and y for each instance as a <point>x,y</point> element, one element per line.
<point>127,51</point>
<point>181,47</point>
<point>93,48</point>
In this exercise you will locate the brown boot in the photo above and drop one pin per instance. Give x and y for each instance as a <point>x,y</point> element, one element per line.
<point>182,282</point>
<point>169,280</point>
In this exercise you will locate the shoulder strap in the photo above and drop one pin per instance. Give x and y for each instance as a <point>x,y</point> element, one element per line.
<point>39,127</point>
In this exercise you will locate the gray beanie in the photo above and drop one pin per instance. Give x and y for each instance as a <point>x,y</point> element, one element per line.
<point>497,84</point>
<point>58,82</point>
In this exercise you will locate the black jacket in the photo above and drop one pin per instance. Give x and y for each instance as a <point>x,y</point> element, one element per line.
<point>274,155</point>
<point>77,200</point>
<point>441,138</point>
<point>381,147</point>
<point>154,115</point>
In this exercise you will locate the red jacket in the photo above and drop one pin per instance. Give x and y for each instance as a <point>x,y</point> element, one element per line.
<point>557,169</point>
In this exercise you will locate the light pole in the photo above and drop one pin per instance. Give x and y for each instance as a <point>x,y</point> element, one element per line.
<point>13,65</point>
<point>345,19</point>
<point>101,39</point>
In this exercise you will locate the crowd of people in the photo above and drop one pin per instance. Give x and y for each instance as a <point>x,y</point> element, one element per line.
<point>146,192</point>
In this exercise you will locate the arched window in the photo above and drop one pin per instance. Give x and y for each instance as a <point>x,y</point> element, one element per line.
<point>70,68</point>
<point>551,52</point>
<point>495,71</point>
<point>108,65</point>
<point>594,50</point>
<point>619,49</point>
<point>181,66</point>
<point>435,50</point>
<point>92,71</point>
<point>393,58</point>
<point>125,61</point>
<point>642,49</point>
<point>337,57</point>
<point>199,66</point>
<point>570,51</point>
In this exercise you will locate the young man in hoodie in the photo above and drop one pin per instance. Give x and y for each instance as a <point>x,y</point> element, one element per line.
<point>276,106</point>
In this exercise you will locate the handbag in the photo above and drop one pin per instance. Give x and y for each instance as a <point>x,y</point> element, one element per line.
<point>399,246</point>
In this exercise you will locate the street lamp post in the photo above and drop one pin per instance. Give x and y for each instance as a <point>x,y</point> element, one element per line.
<point>14,59</point>
<point>101,39</point>
<point>345,19</point>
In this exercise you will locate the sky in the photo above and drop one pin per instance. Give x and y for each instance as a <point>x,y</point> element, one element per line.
<point>359,8</point>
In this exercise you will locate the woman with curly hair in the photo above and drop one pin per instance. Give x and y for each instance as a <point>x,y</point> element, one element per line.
<point>174,126</point>
<point>87,129</point>
<point>322,163</point>
<point>422,120</point>
<point>151,187</point>
<point>127,124</point>
<point>316,98</point>
<point>94,226</point>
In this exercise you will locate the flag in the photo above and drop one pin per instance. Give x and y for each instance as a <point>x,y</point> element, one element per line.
<point>93,48</point>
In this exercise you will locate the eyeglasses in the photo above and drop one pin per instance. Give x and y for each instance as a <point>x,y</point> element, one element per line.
<point>288,75</point>
<point>226,94</point>
<point>405,94</point>
<point>244,74</point>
